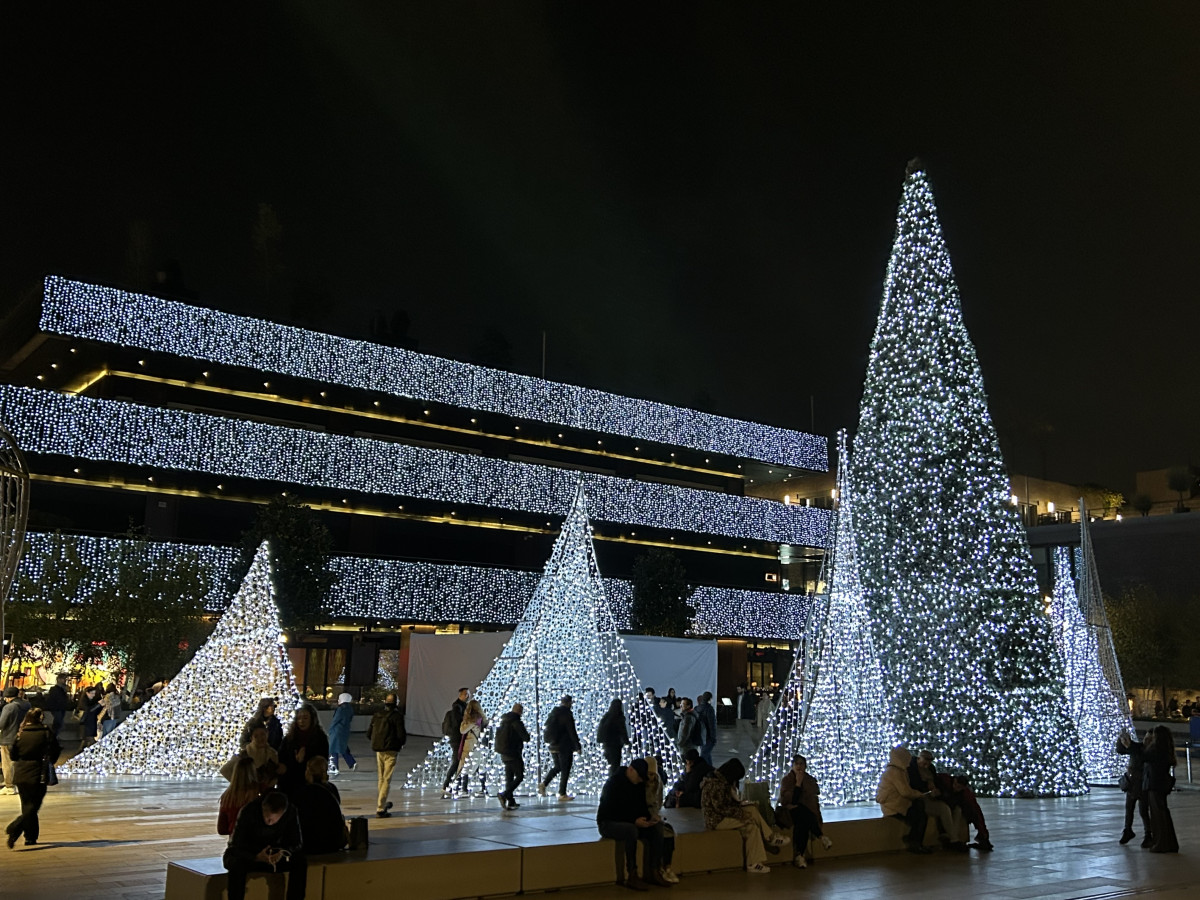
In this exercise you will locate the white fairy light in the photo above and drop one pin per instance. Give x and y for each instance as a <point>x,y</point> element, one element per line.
<point>193,725</point>
<point>112,316</point>
<point>566,643</point>
<point>968,658</point>
<point>833,709</point>
<point>126,433</point>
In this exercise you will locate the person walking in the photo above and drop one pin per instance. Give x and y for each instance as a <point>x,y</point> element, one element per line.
<point>471,732</point>
<point>562,737</point>
<point>723,810</point>
<point>388,737</point>
<point>35,752</point>
<point>451,723</point>
<point>339,733</point>
<point>11,715</point>
<point>1134,794</point>
<point>613,734</point>
<point>510,741</point>
<point>1158,781</point>
<point>305,739</point>
<point>265,716</point>
<point>708,718</point>
<point>799,794</point>
<point>690,734</point>
<point>57,702</point>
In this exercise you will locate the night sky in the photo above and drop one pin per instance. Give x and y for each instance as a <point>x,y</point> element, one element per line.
<point>695,201</point>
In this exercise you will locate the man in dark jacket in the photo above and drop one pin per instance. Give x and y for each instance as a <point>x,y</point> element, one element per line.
<point>708,718</point>
<point>563,739</point>
<point>691,732</point>
<point>510,741</point>
<point>1134,795</point>
<point>57,702</point>
<point>10,722</point>
<point>266,838</point>
<point>388,737</point>
<point>624,816</point>
<point>450,728</point>
<point>687,788</point>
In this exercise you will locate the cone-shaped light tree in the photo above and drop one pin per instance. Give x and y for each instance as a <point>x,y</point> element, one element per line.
<point>968,657</point>
<point>565,644</point>
<point>192,726</point>
<point>1094,689</point>
<point>833,709</point>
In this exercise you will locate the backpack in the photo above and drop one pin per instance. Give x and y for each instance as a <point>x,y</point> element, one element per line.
<point>451,722</point>
<point>503,742</point>
<point>550,734</point>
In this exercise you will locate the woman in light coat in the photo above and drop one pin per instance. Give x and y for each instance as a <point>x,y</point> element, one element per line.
<point>471,731</point>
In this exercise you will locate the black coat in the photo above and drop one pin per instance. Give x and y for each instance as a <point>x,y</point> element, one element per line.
<point>56,699</point>
<point>321,822</point>
<point>33,746</point>
<point>690,784</point>
<point>621,800</point>
<point>612,730</point>
<point>251,834</point>
<point>317,745</point>
<point>560,731</point>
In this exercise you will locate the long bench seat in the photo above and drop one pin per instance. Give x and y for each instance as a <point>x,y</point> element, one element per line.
<point>441,862</point>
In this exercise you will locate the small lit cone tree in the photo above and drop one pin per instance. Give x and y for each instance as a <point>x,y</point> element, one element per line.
<point>566,643</point>
<point>192,726</point>
<point>1094,689</point>
<point>834,709</point>
<point>969,661</point>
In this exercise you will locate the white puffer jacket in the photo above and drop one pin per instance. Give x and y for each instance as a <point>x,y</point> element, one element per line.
<point>894,794</point>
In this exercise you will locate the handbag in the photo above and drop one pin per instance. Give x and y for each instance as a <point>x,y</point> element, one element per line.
<point>783,817</point>
<point>358,833</point>
<point>49,776</point>
<point>1123,783</point>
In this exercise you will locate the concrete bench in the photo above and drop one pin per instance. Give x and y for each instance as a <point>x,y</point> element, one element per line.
<point>862,829</point>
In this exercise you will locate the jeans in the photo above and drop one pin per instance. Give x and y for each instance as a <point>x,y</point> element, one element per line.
<point>917,820</point>
<point>804,825</point>
<point>514,774</point>
<point>347,756</point>
<point>386,761</point>
<point>563,760</point>
<point>296,867</point>
<point>628,832</point>
<point>706,752</point>
<point>612,754</point>
<point>107,726</point>
<point>6,762</point>
<point>1135,796</point>
<point>32,796</point>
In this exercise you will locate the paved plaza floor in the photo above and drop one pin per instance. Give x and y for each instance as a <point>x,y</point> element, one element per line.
<point>112,838</point>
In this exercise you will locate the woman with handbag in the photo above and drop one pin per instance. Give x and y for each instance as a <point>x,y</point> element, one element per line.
<point>800,809</point>
<point>34,755</point>
<point>471,730</point>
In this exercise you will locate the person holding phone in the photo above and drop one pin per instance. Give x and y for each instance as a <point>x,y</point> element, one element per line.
<point>266,838</point>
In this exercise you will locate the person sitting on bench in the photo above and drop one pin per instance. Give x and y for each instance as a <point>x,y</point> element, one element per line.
<point>623,815</point>
<point>266,838</point>
<point>898,799</point>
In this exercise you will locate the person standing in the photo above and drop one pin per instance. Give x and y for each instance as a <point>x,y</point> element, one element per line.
<point>613,734</point>
<point>623,815</point>
<point>511,738</point>
<point>90,702</point>
<point>304,740</point>
<point>10,724</point>
<point>563,738</point>
<point>708,718</point>
<point>471,731</point>
<point>1134,794</point>
<point>1158,781</point>
<point>388,737</point>
<point>339,732</point>
<point>690,734</point>
<point>57,702</point>
<point>724,810</point>
<point>35,751</point>
<point>110,707</point>
<point>451,723</point>
<point>747,711</point>
<point>799,794</point>
<point>266,838</point>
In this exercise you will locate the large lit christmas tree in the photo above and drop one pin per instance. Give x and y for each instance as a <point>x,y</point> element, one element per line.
<point>1094,689</point>
<point>565,644</point>
<point>968,658</point>
<point>834,710</point>
<point>192,726</point>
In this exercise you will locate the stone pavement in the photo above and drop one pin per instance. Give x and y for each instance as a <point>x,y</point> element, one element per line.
<point>111,839</point>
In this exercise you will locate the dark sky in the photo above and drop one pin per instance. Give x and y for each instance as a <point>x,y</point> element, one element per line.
<point>695,201</point>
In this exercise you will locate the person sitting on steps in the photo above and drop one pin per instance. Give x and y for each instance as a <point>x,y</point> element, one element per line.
<point>899,800</point>
<point>799,794</point>
<point>723,810</point>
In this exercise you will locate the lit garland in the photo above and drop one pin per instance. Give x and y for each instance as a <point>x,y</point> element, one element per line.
<point>968,657</point>
<point>112,316</point>
<point>1095,703</point>
<point>566,643</point>
<point>192,726</point>
<point>833,709</point>
<point>399,591</point>
<point>113,431</point>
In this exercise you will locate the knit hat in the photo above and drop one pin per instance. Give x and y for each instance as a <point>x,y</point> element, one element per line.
<point>10,692</point>
<point>639,766</point>
<point>345,698</point>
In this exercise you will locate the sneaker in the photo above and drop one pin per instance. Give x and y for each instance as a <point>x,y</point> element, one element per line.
<point>636,884</point>
<point>1127,835</point>
<point>513,804</point>
<point>12,841</point>
<point>541,790</point>
<point>670,876</point>
<point>780,840</point>
<point>503,801</point>
<point>1147,842</point>
<point>826,842</point>
<point>354,768</point>
<point>800,862</point>
<point>758,869</point>
<point>382,814</point>
<point>447,795</point>
<point>562,798</point>
<point>657,878</point>
<point>8,790</point>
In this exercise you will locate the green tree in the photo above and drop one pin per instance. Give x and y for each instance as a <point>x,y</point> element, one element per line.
<point>1154,652</point>
<point>300,549</point>
<point>49,610</point>
<point>1143,504</point>
<point>1182,481</point>
<point>660,594</point>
